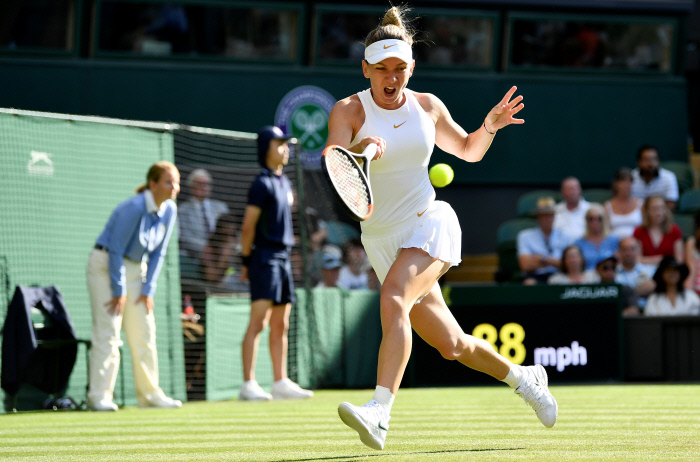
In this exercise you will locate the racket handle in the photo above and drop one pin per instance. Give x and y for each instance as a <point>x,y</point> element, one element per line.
<point>370,151</point>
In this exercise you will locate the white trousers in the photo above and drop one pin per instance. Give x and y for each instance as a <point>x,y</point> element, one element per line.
<point>139,329</point>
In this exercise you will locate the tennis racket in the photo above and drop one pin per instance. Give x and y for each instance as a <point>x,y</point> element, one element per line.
<point>349,181</point>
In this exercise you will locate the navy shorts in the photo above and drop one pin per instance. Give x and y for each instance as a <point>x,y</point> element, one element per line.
<point>270,275</point>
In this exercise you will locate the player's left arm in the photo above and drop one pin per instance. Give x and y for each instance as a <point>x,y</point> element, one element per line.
<point>452,138</point>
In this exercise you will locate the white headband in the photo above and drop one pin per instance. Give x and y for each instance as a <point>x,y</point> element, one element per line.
<point>379,51</point>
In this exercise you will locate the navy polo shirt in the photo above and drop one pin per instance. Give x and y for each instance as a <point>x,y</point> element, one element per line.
<point>273,194</point>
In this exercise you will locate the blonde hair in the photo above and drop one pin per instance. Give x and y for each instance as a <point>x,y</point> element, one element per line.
<point>394,25</point>
<point>600,210</point>
<point>155,172</point>
<point>668,217</point>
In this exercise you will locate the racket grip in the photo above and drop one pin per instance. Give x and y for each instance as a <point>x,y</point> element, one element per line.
<point>370,151</point>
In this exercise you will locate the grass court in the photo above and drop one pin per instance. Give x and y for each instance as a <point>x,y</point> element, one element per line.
<point>596,422</point>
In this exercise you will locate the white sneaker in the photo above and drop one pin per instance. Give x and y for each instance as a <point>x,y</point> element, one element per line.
<point>104,405</point>
<point>369,420</point>
<point>286,389</point>
<point>534,390</point>
<point>163,402</point>
<point>251,391</point>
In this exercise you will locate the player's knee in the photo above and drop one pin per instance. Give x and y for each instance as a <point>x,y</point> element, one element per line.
<point>452,350</point>
<point>392,306</point>
<point>392,299</point>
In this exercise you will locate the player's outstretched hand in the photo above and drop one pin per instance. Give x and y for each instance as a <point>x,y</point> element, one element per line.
<point>502,114</point>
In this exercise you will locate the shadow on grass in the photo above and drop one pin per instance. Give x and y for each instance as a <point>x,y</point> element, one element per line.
<point>384,454</point>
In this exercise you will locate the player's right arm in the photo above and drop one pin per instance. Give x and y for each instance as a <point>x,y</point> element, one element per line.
<point>250,221</point>
<point>345,120</point>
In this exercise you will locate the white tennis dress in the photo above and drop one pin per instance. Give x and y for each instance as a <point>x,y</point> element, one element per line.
<point>406,213</point>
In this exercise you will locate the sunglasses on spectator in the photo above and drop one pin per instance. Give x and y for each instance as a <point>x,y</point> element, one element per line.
<point>594,217</point>
<point>607,267</point>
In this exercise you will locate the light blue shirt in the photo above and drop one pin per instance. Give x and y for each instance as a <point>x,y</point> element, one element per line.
<point>637,275</point>
<point>533,242</point>
<point>593,253</point>
<point>136,228</point>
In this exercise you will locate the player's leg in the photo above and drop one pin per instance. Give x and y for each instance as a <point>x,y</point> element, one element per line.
<point>433,322</point>
<point>410,277</point>
<point>260,311</point>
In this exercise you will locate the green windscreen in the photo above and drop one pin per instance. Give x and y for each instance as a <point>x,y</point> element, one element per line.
<point>59,182</point>
<point>334,341</point>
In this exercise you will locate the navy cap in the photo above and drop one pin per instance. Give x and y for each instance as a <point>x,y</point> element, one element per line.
<point>265,134</point>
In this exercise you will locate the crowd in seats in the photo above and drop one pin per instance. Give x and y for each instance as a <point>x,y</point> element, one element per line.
<point>210,249</point>
<point>627,235</point>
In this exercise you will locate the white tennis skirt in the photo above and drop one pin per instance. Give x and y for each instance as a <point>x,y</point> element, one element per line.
<point>436,231</point>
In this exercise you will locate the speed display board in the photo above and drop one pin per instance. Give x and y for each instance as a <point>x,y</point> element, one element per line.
<point>573,331</point>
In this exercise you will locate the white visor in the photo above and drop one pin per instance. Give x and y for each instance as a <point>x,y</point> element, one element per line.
<point>383,49</point>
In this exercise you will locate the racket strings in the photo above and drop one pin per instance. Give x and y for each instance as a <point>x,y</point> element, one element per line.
<point>348,182</point>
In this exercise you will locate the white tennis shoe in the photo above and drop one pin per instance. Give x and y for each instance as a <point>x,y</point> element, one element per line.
<point>163,402</point>
<point>534,389</point>
<point>369,420</point>
<point>251,391</point>
<point>286,389</point>
<point>104,405</point>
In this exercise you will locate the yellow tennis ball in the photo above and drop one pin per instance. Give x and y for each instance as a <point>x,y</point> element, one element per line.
<point>441,175</point>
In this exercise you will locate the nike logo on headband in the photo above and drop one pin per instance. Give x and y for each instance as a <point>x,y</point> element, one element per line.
<point>385,47</point>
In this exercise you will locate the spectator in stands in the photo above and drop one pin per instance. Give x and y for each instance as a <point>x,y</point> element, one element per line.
<point>353,275</point>
<point>671,298</point>
<point>198,216</point>
<point>658,235</point>
<point>332,262</point>
<point>573,269</point>
<point>649,179</point>
<point>317,232</point>
<point>635,275</point>
<point>570,212</point>
<point>540,248</point>
<point>624,211</point>
<point>220,257</point>
<point>692,257</point>
<point>267,238</point>
<point>316,229</point>
<point>597,243</point>
<point>122,272</point>
<point>605,269</point>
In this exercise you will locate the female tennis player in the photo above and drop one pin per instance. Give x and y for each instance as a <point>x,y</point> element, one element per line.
<point>412,239</point>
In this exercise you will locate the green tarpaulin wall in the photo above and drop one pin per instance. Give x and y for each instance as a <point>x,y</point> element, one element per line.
<point>335,344</point>
<point>59,182</point>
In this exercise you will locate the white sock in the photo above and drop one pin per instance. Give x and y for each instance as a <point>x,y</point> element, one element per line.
<point>515,376</point>
<point>385,397</point>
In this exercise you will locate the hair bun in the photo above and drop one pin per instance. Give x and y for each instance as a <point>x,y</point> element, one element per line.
<point>395,25</point>
<point>393,18</point>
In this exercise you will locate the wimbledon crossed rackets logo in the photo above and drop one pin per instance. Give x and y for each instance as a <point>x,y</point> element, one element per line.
<point>303,112</point>
<point>310,124</point>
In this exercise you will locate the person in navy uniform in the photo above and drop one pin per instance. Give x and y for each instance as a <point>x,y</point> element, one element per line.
<point>266,242</point>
